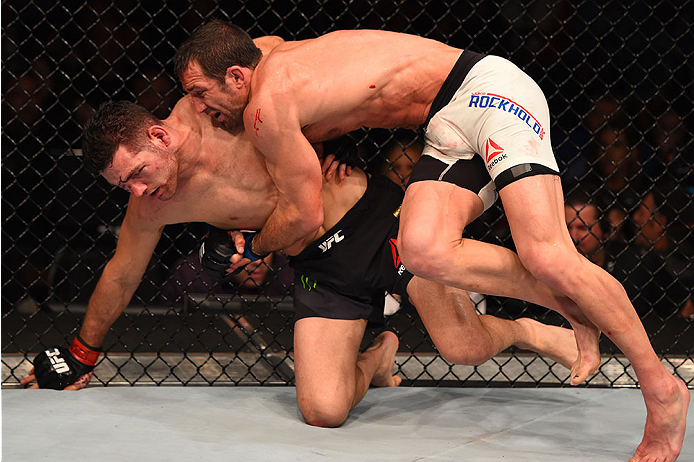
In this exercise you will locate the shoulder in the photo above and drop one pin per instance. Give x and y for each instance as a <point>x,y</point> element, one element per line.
<point>183,105</point>
<point>267,43</point>
<point>184,113</point>
<point>184,109</point>
<point>146,214</point>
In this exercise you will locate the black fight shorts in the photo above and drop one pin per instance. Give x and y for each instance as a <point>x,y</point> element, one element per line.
<point>346,272</point>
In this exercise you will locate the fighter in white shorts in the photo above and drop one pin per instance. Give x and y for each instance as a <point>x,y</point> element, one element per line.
<point>486,106</point>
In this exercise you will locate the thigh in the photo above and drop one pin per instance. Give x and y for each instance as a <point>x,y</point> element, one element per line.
<point>437,210</point>
<point>534,207</point>
<point>325,357</point>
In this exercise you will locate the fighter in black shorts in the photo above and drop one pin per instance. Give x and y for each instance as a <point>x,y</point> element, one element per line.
<point>342,277</point>
<point>346,273</point>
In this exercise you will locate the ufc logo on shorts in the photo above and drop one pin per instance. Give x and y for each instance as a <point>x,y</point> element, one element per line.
<point>328,243</point>
<point>59,364</point>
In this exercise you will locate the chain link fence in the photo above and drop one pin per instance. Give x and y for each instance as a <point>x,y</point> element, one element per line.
<point>618,78</point>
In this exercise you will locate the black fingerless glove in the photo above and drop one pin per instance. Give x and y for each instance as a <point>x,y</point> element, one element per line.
<point>346,151</point>
<point>56,368</point>
<point>216,252</point>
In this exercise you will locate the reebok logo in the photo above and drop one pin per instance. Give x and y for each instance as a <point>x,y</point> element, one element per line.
<point>493,149</point>
<point>328,243</point>
<point>57,361</point>
<point>394,249</point>
<point>396,257</point>
<point>494,154</point>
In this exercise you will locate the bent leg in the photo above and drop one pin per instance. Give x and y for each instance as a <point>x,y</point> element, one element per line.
<point>463,337</point>
<point>441,209</point>
<point>331,375</point>
<point>535,211</point>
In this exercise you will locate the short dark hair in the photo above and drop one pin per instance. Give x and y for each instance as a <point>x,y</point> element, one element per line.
<point>216,46</point>
<point>580,198</point>
<point>114,124</point>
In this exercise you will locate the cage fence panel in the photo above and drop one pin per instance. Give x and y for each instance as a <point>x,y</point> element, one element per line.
<point>618,80</point>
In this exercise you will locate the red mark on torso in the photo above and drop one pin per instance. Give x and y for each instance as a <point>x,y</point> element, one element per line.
<point>257,119</point>
<point>372,86</point>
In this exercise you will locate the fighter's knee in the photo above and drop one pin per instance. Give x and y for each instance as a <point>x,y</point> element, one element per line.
<point>547,261</point>
<point>323,414</point>
<point>422,256</point>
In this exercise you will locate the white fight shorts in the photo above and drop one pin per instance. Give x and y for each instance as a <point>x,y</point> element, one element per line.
<point>493,130</point>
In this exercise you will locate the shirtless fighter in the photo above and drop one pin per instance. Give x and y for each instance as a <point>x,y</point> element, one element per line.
<point>187,169</point>
<point>487,130</point>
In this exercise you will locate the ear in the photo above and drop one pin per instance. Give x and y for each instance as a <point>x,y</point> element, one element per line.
<point>159,135</point>
<point>237,77</point>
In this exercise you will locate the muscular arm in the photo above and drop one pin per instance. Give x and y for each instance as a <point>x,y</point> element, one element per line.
<point>294,167</point>
<point>121,276</point>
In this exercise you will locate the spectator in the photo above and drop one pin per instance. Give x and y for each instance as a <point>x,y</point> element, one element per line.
<point>653,279</point>
<point>401,155</point>
<point>270,277</point>
<point>671,268</point>
<point>617,168</point>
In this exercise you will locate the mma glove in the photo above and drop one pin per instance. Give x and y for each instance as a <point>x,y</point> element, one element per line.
<point>58,367</point>
<point>215,253</point>
<point>217,250</point>
<point>347,152</point>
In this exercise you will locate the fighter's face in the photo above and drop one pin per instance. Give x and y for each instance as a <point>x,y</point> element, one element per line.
<point>584,228</point>
<point>223,103</point>
<point>152,172</point>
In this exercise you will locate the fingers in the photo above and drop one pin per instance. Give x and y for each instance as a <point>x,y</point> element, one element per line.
<point>81,382</point>
<point>28,379</point>
<point>342,171</point>
<point>33,387</point>
<point>331,171</point>
<point>237,263</point>
<point>239,241</point>
<point>327,162</point>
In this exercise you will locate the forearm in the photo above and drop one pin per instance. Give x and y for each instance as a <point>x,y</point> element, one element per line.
<point>285,227</point>
<point>112,294</point>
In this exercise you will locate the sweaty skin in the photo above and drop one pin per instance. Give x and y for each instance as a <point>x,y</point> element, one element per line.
<point>290,107</point>
<point>317,89</point>
<point>192,170</point>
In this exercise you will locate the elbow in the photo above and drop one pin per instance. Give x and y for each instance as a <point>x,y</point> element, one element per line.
<point>311,221</point>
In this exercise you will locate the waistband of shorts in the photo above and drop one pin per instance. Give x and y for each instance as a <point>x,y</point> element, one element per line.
<point>374,192</point>
<point>453,82</point>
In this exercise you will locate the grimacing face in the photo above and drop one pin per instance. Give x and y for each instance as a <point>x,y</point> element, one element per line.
<point>584,228</point>
<point>221,102</point>
<point>150,172</point>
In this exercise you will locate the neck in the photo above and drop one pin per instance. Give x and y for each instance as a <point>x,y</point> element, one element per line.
<point>186,145</point>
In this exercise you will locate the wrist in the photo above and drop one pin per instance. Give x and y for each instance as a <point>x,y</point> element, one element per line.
<point>248,251</point>
<point>83,352</point>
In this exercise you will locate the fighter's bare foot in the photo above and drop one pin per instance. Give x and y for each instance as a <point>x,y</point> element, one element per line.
<point>554,342</point>
<point>665,424</point>
<point>386,344</point>
<point>588,360</point>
